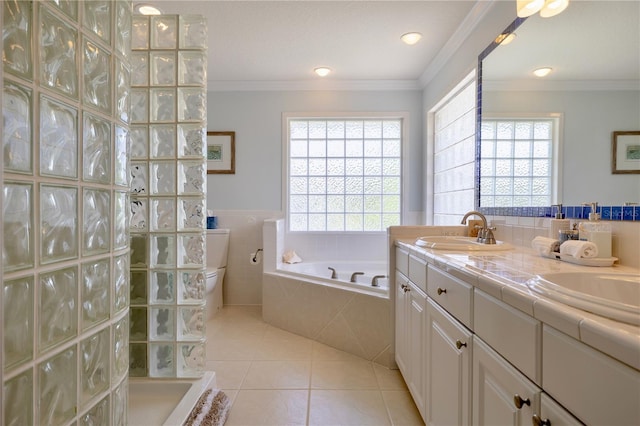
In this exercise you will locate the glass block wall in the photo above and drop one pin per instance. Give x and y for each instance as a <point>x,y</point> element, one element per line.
<point>65,246</point>
<point>168,196</point>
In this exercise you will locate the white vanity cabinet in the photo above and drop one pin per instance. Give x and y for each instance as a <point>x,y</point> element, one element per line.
<point>553,414</point>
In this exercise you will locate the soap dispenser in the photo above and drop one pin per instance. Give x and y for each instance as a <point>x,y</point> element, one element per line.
<point>595,231</point>
<point>558,223</point>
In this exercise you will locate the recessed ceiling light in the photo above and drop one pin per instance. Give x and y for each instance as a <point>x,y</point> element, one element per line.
<point>322,71</point>
<point>553,8</point>
<point>146,9</point>
<point>542,72</point>
<point>411,38</point>
<point>505,38</point>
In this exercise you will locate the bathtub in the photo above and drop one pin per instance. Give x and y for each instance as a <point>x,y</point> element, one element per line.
<point>165,402</point>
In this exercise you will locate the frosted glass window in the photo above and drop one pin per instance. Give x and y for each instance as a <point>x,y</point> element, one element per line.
<point>333,163</point>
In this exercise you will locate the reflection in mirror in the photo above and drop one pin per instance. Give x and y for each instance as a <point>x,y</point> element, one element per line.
<point>593,89</point>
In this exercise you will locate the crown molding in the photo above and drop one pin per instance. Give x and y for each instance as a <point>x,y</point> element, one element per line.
<point>313,85</point>
<point>559,85</point>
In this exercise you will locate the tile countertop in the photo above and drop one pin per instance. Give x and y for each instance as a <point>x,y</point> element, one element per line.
<point>503,274</point>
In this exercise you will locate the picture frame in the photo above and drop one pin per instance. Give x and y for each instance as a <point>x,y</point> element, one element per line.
<point>221,152</point>
<point>625,155</point>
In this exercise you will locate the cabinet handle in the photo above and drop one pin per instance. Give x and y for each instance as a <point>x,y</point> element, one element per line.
<point>441,290</point>
<point>403,286</point>
<point>460,344</point>
<point>538,421</point>
<point>406,288</point>
<point>519,402</point>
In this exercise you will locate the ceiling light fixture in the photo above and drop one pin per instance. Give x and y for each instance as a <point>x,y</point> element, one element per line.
<point>547,8</point>
<point>542,72</point>
<point>553,8</point>
<point>505,38</point>
<point>322,71</point>
<point>146,9</point>
<point>411,38</point>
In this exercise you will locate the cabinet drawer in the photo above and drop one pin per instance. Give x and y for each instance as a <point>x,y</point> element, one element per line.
<point>514,334</point>
<point>418,272</point>
<point>594,387</point>
<point>402,261</point>
<point>452,294</point>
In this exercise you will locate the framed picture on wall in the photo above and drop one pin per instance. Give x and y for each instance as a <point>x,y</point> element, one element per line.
<point>221,152</point>
<point>625,154</point>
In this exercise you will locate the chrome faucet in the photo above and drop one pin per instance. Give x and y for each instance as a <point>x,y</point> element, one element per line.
<point>485,235</point>
<point>353,276</point>
<point>333,273</point>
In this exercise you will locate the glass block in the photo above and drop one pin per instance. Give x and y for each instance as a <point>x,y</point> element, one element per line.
<point>138,250</point>
<point>96,150</point>
<point>138,360</point>
<point>123,100</point>
<point>18,321</point>
<point>17,130</point>
<point>138,288</point>
<point>96,64</point>
<point>191,140</point>
<point>192,68</point>
<point>58,54</point>
<point>162,105</point>
<point>94,364</point>
<point>121,157</point>
<point>163,177</point>
<point>161,360</point>
<point>58,307</point>
<point>96,229</point>
<point>191,289</point>
<point>191,178</point>
<point>57,388</point>
<point>192,104</point>
<point>120,349</point>
<point>163,287</point>
<point>58,139</point>
<point>191,250</point>
<point>140,33</point>
<point>97,18</point>
<point>163,141</point>
<point>139,183</point>
<point>119,400</point>
<point>16,36</point>
<point>18,400</point>
<point>139,105</point>
<point>138,221</point>
<point>139,142</point>
<point>191,359</point>
<point>191,323</point>
<point>162,323</point>
<point>191,214</point>
<point>69,7</point>
<point>97,415</point>
<point>193,32</point>
<point>95,293</point>
<point>138,324</point>
<point>163,214</point>
<point>124,24</point>
<point>164,32</point>
<point>121,283</point>
<point>163,68</point>
<point>139,69</point>
<point>120,222</point>
<point>17,242</point>
<point>59,220</point>
<point>163,250</point>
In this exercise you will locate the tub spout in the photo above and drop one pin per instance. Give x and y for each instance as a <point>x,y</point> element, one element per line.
<point>333,273</point>
<point>374,280</point>
<point>353,276</point>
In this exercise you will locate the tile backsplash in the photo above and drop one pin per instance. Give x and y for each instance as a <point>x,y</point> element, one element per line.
<point>621,213</point>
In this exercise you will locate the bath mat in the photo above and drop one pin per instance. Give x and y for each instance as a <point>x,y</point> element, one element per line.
<point>211,409</point>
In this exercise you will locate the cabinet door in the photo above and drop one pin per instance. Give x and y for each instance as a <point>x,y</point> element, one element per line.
<point>448,369</point>
<point>417,349</point>
<point>501,394</point>
<point>553,414</point>
<point>402,339</point>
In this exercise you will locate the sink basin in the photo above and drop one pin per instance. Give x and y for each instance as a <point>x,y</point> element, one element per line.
<point>611,295</point>
<point>455,242</point>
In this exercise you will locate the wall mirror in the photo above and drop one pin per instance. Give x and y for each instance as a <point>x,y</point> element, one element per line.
<point>592,48</point>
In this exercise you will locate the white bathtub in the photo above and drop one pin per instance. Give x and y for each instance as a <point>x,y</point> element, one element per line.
<point>165,402</point>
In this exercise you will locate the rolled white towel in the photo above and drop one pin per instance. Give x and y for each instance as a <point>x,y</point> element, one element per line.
<point>291,257</point>
<point>545,246</point>
<point>579,249</point>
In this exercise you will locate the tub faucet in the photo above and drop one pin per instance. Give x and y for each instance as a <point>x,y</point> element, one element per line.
<point>485,235</point>
<point>353,276</point>
<point>333,273</point>
<point>374,280</point>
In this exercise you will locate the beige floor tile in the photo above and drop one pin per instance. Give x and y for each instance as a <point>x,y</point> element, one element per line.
<point>401,408</point>
<point>328,353</point>
<point>269,407</point>
<point>231,349</point>
<point>350,374</point>
<point>278,375</point>
<point>282,349</point>
<point>229,374</point>
<point>344,408</point>
<point>389,379</point>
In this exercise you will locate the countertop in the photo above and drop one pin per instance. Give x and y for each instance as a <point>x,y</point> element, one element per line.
<point>503,274</point>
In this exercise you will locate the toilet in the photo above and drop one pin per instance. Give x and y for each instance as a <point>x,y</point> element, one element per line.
<point>217,251</point>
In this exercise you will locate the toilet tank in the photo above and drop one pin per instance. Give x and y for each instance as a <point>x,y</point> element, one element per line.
<point>217,248</point>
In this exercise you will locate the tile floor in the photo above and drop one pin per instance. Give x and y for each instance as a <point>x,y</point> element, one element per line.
<point>275,377</point>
